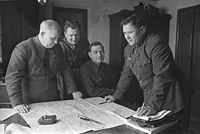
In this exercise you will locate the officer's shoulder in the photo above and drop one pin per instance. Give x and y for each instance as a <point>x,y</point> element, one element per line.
<point>154,39</point>
<point>25,44</point>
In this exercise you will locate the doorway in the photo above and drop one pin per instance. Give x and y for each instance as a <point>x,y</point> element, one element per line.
<point>188,57</point>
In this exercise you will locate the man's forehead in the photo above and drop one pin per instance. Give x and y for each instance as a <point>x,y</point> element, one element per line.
<point>54,33</point>
<point>72,31</point>
<point>98,47</point>
<point>130,29</point>
<point>131,26</point>
<point>53,36</point>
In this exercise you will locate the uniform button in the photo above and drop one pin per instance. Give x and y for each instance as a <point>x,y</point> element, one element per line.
<point>145,90</point>
<point>141,82</point>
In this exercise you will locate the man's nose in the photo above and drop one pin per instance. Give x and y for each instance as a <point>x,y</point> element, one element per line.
<point>73,37</point>
<point>99,54</point>
<point>127,36</point>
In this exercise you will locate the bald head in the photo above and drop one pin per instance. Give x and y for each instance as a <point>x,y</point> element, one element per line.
<point>49,33</point>
<point>51,25</point>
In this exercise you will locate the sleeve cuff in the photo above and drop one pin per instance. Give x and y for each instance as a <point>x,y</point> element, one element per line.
<point>16,101</point>
<point>118,95</point>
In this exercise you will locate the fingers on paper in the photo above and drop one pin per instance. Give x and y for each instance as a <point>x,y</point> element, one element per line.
<point>142,111</point>
<point>109,98</point>
<point>23,108</point>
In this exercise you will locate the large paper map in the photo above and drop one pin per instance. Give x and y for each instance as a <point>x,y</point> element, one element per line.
<point>69,123</point>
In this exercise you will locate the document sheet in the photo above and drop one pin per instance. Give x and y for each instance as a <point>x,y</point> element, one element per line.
<point>6,113</point>
<point>68,121</point>
<point>82,115</point>
<point>157,116</point>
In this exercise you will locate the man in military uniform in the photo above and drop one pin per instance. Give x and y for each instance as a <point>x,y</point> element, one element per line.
<point>150,59</point>
<point>33,67</point>
<point>96,76</point>
<point>75,47</point>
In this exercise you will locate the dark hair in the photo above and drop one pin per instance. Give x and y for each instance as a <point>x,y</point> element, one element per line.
<point>73,24</point>
<point>95,43</point>
<point>135,20</point>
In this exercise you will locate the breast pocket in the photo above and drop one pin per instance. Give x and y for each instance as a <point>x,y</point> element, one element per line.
<point>145,66</point>
<point>129,62</point>
<point>144,60</point>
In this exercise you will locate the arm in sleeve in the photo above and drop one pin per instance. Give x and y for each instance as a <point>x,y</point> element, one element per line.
<point>68,79</point>
<point>125,78</point>
<point>15,73</point>
<point>91,87</point>
<point>124,82</point>
<point>163,68</point>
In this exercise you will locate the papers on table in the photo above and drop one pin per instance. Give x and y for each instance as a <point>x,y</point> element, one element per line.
<point>68,122</point>
<point>157,116</point>
<point>148,130</point>
<point>102,116</point>
<point>6,113</point>
<point>14,128</point>
<point>112,107</point>
<point>123,113</point>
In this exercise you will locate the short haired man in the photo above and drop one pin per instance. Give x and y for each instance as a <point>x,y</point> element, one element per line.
<point>34,63</point>
<point>74,44</point>
<point>75,48</point>
<point>150,59</point>
<point>96,76</point>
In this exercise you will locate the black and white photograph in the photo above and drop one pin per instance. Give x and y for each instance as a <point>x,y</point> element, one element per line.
<point>99,66</point>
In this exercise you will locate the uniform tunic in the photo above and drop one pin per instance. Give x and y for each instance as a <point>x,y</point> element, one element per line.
<point>31,73</point>
<point>76,55</point>
<point>152,63</point>
<point>98,80</point>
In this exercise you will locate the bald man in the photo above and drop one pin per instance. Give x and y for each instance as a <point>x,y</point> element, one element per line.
<point>34,63</point>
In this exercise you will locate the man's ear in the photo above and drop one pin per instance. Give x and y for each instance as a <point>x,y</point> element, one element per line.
<point>89,53</point>
<point>143,29</point>
<point>65,33</point>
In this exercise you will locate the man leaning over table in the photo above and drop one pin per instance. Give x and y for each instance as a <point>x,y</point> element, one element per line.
<point>33,66</point>
<point>150,59</point>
